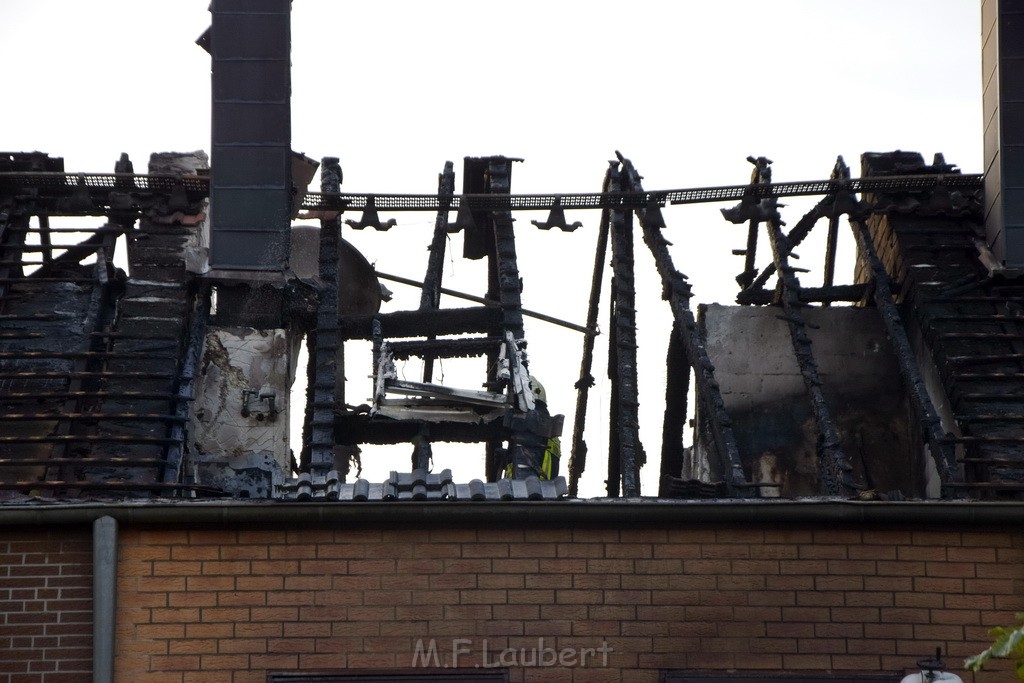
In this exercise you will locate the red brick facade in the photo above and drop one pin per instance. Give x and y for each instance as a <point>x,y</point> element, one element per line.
<point>45,605</point>
<point>231,604</point>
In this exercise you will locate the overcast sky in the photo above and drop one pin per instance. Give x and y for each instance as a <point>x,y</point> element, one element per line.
<point>685,89</point>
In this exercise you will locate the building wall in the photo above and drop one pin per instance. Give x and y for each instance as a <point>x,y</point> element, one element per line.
<point>45,605</point>
<point>770,411</point>
<point>230,604</point>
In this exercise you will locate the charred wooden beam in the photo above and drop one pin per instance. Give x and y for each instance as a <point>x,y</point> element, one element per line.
<point>761,174</point>
<point>800,231</point>
<point>13,228</point>
<point>840,172</point>
<point>75,253</point>
<point>614,480</point>
<point>834,468</point>
<point>475,319</point>
<point>430,296</point>
<point>77,381</point>
<point>808,295</point>
<point>510,285</point>
<point>325,354</point>
<point>45,240</point>
<point>421,450</point>
<point>941,449</point>
<point>455,347</point>
<point>578,456</point>
<point>677,385</point>
<point>625,398</point>
<point>185,392</point>
<point>831,243</point>
<point>353,429</point>
<point>677,291</point>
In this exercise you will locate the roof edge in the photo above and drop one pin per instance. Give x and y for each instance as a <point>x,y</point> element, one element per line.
<point>617,513</point>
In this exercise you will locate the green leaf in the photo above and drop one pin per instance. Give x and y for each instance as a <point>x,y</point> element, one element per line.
<point>1008,642</point>
<point>975,663</point>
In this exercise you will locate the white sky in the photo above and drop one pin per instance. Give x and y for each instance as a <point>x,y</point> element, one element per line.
<point>685,89</point>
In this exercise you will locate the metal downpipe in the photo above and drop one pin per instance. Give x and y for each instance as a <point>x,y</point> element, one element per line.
<point>104,597</point>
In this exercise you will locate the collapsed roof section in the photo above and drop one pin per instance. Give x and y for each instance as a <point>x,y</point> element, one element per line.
<point>169,371</point>
<point>120,382</point>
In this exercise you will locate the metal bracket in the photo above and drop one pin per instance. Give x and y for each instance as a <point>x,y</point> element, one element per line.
<point>463,219</point>
<point>370,218</point>
<point>260,395</point>
<point>556,219</point>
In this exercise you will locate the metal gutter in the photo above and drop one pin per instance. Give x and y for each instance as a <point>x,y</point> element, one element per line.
<point>607,513</point>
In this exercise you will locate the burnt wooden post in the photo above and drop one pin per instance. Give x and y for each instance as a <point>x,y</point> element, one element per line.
<point>430,296</point>
<point>677,384</point>
<point>326,359</point>
<point>578,457</point>
<point>624,440</point>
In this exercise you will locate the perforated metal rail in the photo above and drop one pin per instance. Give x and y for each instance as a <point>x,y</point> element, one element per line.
<point>99,185</point>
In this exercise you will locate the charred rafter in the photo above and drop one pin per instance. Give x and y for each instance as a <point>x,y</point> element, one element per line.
<point>185,393</point>
<point>677,291</point>
<point>941,448</point>
<point>835,469</point>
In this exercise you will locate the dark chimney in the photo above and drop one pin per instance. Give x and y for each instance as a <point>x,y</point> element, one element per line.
<point>250,193</point>
<point>1002,30</point>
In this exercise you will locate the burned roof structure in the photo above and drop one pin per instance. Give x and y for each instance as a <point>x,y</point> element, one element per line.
<point>153,354</point>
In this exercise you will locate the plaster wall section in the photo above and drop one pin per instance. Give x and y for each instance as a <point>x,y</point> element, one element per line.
<point>239,423</point>
<point>771,415</point>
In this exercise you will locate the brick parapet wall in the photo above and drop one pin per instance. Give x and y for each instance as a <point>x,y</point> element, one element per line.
<point>231,604</point>
<point>45,605</point>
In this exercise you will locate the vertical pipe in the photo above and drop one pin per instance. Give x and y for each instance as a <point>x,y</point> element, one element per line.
<point>104,598</point>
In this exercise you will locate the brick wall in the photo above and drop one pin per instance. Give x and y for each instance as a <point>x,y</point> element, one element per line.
<point>45,606</point>
<point>231,604</point>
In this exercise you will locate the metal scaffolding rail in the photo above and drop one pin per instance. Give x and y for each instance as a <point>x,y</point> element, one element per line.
<point>98,186</point>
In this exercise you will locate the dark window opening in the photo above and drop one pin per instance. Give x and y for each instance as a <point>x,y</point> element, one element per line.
<point>418,676</point>
<point>776,676</point>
